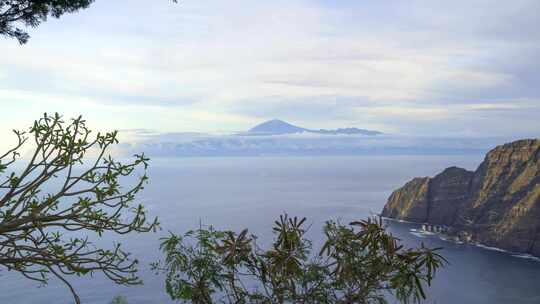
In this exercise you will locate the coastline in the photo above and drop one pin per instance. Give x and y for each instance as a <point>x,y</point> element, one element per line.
<point>419,233</point>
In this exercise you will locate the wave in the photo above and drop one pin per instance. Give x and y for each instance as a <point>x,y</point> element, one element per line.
<point>491,248</point>
<point>420,233</point>
<point>397,220</point>
<point>513,254</point>
<point>526,256</point>
<point>417,234</point>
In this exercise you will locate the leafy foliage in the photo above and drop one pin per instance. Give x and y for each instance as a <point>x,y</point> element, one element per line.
<point>31,13</point>
<point>358,263</point>
<point>85,194</point>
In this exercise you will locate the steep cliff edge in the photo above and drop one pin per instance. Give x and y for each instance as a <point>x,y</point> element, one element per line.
<point>433,200</point>
<point>497,205</point>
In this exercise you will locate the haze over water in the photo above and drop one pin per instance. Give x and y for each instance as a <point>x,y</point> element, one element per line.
<point>233,193</point>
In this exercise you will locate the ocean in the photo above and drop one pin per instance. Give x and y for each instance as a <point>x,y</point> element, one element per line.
<point>250,192</point>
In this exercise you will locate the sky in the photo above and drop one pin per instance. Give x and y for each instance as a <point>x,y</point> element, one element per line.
<point>426,68</point>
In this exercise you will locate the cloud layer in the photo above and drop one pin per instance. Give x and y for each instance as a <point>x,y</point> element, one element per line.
<point>433,68</point>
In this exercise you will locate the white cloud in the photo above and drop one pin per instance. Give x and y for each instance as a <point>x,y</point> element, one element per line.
<point>206,65</point>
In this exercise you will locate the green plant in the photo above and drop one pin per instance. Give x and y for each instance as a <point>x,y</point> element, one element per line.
<point>68,183</point>
<point>358,263</point>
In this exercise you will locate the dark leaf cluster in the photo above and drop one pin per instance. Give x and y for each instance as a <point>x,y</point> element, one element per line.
<point>17,14</point>
<point>30,13</point>
<point>358,263</point>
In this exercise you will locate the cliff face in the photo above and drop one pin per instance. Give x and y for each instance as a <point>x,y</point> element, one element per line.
<point>410,202</point>
<point>433,200</point>
<point>498,204</point>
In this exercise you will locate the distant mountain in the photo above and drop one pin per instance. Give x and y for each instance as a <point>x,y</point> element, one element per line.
<point>278,127</point>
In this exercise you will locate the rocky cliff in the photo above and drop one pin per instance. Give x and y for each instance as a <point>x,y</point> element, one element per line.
<point>497,205</point>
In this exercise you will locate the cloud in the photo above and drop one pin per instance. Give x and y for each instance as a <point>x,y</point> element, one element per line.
<point>426,67</point>
<point>188,145</point>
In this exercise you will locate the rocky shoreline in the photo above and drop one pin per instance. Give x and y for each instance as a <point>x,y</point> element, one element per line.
<point>498,205</point>
<point>453,238</point>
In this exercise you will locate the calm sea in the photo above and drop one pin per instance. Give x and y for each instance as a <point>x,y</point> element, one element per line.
<point>236,193</point>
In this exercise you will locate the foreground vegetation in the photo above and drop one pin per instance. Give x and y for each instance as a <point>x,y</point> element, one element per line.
<point>68,183</point>
<point>358,263</point>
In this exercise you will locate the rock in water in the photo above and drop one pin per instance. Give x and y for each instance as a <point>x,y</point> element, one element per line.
<point>497,205</point>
